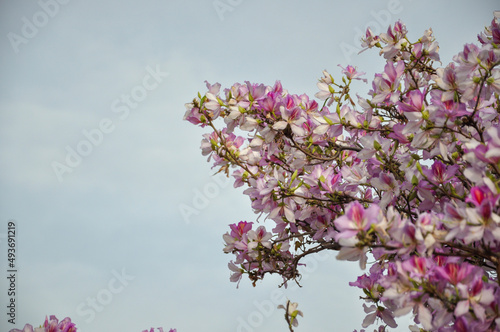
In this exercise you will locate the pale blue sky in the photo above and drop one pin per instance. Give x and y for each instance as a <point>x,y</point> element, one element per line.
<point>117,73</point>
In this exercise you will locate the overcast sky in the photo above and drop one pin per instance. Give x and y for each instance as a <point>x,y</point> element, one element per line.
<point>97,165</point>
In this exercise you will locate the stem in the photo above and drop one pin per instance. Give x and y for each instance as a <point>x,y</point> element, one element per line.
<point>288,318</point>
<point>494,257</point>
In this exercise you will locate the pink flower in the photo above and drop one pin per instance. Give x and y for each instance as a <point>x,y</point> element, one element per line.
<point>27,328</point>
<point>51,325</point>
<point>352,74</point>
<point>323,227</point>
<point>394,38</point>
<point>468,58</point>
<point>386,85</point>
<point>328,124</point>
<point>236,275</point>
<point>390,187</point>
<point>356,219</point>
<point>259,236</point>
<point>475,296</point>
<point>443,110</point>
<point>327,78</point>
<point>378,312</point>
<point>457,273</point>
<point>451,81</point>
<point>416,267</point>
<point>256,91</point>
<point>413,101</point>
<point>369,40</point>
<point>430,50</point>
<point>491,35</point>
<point>326,91</point>
<point>237,238</point>
<point>439,173</point>
<point>293,118</point>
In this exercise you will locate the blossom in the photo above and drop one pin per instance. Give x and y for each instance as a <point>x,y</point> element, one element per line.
<point>292,312</point>
<point>388,184</point>
<point>386,85</point>
<point>443,109</point>
<point>393,38</point>
<point>378,312</point>
<point>237,230</point>
<point>429,49</point>
<point>326,91</point>
<point>356,219</point>
<point>369,40</point>
<point>237,273</point>
<point>51,324</point>
<point>476,297</point>
<point>457,273</point>
<point>256,92</point>
<point>293,118</point>
<point>327,78</point>
<point>452,82</point>
<point>352,73</point>
<point>28,328</point>
<point>439,173</point>
<point>328,124</point>
<point>259,236</point>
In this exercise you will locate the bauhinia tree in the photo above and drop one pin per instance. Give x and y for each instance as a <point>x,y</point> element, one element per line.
<point>408,176</point>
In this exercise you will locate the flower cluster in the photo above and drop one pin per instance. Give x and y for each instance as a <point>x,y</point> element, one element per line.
<point>251,247</point>
<point>51,324</point>
<point>409,175</point>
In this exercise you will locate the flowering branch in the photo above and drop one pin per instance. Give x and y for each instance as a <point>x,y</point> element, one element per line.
<point>409,175</point>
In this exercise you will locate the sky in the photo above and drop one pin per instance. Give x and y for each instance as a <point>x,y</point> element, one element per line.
<point>118,217</point>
